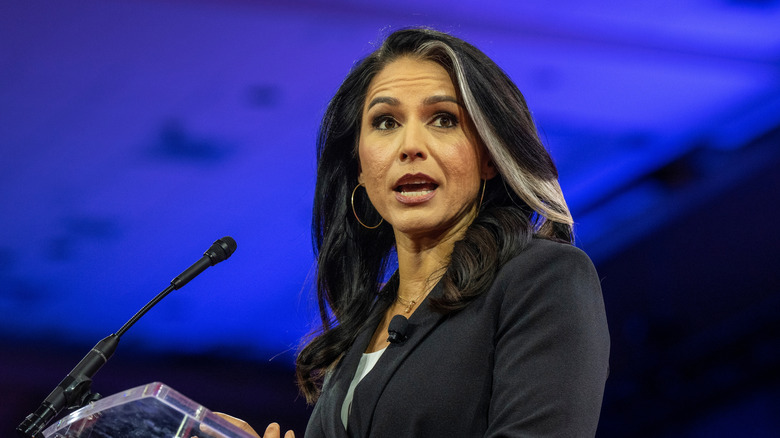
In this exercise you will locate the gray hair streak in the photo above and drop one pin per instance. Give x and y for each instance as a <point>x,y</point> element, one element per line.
<point>544,196</point>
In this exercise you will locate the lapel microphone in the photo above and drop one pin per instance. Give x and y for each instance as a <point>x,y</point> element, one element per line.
<point>397,329</point>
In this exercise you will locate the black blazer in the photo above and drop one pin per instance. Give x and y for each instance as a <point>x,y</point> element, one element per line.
<point>527,358</point>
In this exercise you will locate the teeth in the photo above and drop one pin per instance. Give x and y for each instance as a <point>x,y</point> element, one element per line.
<point>420,193</point>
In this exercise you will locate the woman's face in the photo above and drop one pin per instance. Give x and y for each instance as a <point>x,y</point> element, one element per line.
<point>419,158</point>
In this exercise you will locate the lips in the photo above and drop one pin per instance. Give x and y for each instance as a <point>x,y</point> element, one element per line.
<point>415,188</point>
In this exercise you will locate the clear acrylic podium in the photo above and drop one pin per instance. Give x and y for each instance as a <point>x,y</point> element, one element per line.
<point>148,411</point>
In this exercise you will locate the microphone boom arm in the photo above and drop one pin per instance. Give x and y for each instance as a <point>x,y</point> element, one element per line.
<point>75,389</point>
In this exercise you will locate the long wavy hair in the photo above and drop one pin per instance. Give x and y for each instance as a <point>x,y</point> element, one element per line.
<point>524,200</point>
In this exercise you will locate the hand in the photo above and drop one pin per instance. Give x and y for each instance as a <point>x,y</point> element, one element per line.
<point>272,431</point>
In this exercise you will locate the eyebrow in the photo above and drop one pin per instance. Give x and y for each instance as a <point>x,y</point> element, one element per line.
<point>392,101</point>
<point>441,98</point>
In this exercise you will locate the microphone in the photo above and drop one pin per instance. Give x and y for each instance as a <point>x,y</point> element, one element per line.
<point>74,390</point>
<point>397,329</point>
<point>219,251</point>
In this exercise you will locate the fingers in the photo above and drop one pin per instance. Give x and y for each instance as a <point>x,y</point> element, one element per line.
<point>274,431</point>
<point>243,425</point>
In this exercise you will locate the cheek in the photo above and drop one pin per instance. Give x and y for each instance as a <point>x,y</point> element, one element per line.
<point>373,174</point>
<point>465,163</point>
<point>373,164</point>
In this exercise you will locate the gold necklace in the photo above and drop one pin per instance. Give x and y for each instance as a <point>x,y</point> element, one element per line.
<point>408,303</point>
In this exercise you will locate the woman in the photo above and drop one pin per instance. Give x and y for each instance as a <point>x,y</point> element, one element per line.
<point>506,329</point>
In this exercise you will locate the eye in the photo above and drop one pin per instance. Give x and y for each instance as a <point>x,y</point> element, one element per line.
<point>445,120</point>
<point>384,123</point>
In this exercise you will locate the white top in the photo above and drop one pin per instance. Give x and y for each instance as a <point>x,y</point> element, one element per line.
<point>367,362</point>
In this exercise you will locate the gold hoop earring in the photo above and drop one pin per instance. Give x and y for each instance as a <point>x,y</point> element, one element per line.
<point>352,200</point>
<point>484,183</point>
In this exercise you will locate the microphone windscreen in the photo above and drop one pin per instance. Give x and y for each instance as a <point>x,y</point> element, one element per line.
<point>221,250</point>
<point>398,324</point>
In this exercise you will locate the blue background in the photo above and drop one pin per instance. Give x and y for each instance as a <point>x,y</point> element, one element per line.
<point>135,133</point>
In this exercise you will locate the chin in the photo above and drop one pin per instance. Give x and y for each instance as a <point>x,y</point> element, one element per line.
<point>425,228</point>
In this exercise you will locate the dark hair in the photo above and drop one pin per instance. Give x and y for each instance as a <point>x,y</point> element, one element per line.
<point>523,200</point>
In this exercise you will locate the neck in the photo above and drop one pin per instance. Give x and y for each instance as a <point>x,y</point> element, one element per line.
<point>422,260</point>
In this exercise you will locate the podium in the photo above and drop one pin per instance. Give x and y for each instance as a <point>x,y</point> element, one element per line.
<point>149,411</point>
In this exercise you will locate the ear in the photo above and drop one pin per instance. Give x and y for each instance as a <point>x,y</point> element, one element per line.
<point>487,169</point>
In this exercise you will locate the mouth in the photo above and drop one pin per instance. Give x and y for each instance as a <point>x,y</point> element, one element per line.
<point>415,185</point>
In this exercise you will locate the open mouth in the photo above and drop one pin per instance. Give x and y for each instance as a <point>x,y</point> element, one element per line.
<point>416,189</point>
<point>415,185</point>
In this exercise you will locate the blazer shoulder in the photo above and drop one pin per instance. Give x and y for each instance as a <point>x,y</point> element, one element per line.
<point>542,256</point>
<point>548,274</point>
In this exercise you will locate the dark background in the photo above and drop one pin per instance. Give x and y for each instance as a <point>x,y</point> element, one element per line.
<point>133,134</point>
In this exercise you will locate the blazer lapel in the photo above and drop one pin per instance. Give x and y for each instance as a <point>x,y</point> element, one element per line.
<point>368,391</point>
<point>338,383</point>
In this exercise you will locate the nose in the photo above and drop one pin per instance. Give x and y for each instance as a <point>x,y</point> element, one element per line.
<point>413,146</point>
